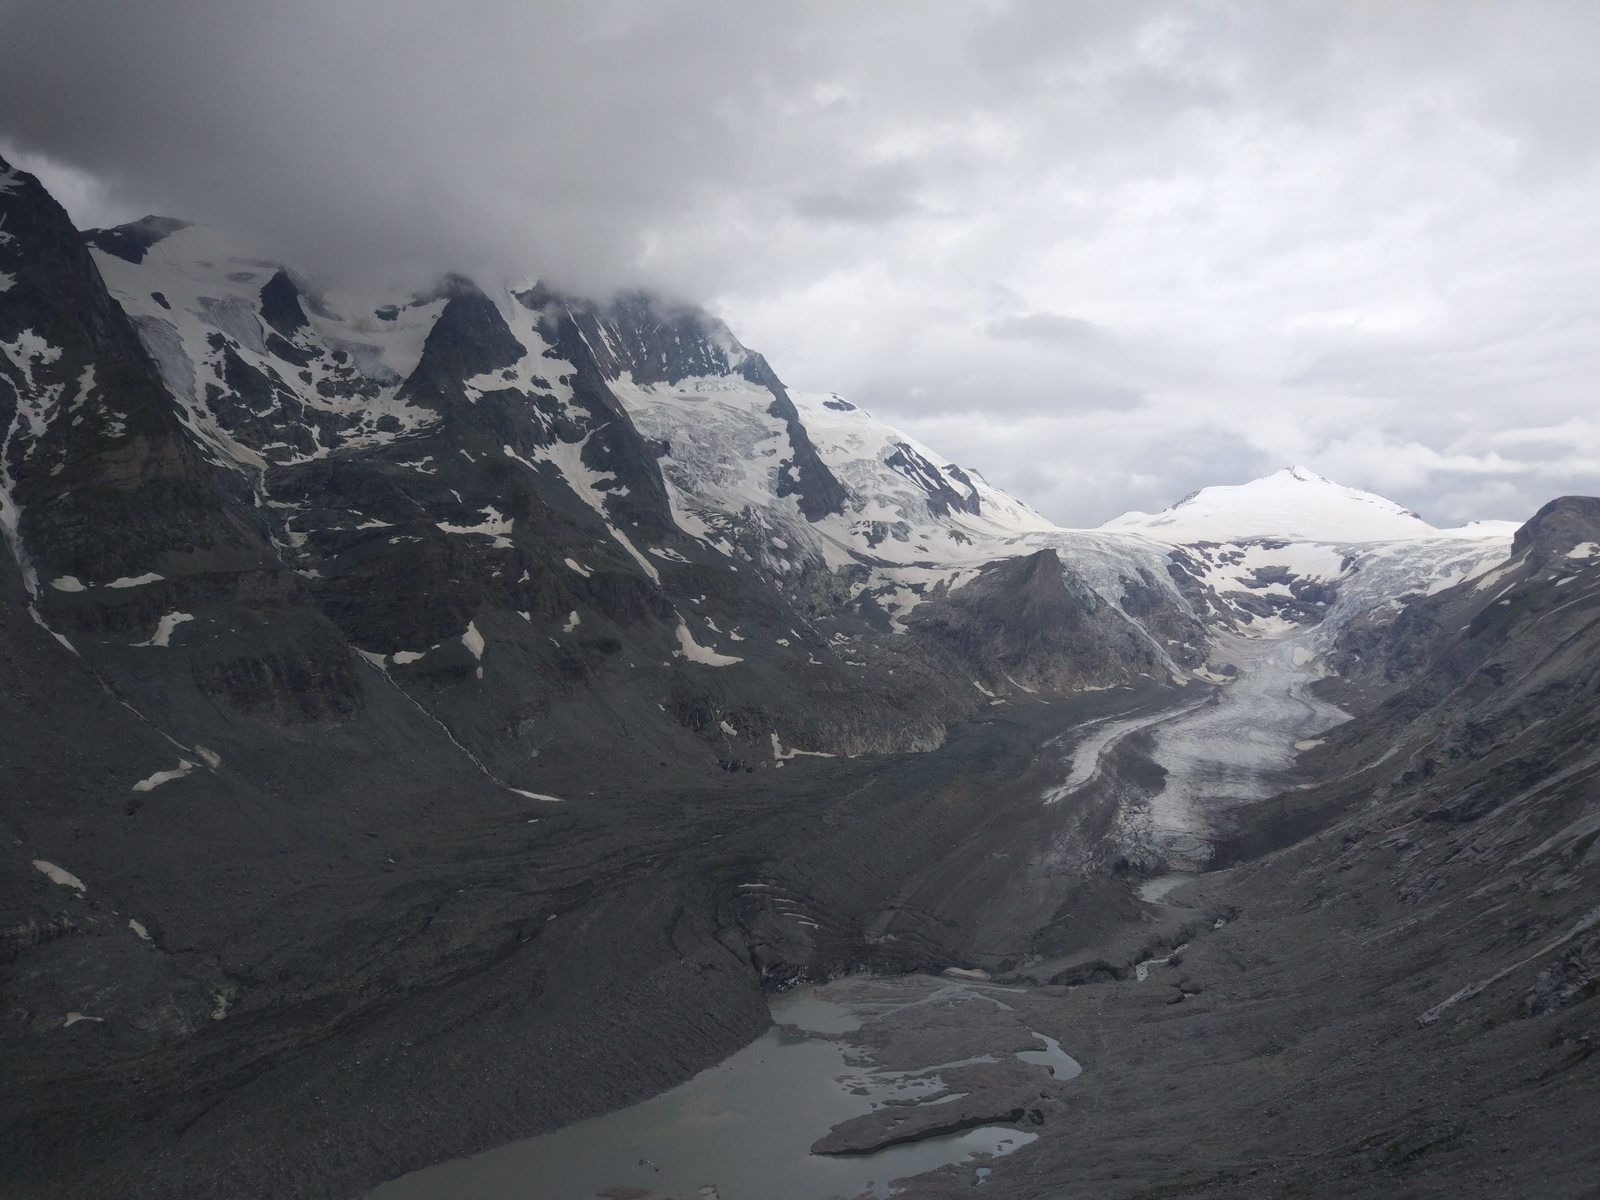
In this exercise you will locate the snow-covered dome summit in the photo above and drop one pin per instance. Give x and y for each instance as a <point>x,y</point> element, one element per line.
<point>1294,503</point>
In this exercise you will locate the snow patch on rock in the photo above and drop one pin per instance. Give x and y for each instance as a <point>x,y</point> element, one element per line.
<point>164,628</point>
<point>690,649</point>
<point>150,783</point>
<point>59,875</point>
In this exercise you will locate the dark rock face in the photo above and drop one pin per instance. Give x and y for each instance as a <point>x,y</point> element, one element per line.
<point>942,497</point>
<point>1026,620</point>
<point>280,305</point>
<point>133,241</point>
<point>653,340</point>
<point>1571,979</point>
<point>803,474</point>
<point>1565,522</point>
<point>469,339</point>
<point>111,488</point>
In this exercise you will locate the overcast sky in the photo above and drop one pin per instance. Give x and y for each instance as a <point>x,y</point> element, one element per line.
<point>1104,252</point>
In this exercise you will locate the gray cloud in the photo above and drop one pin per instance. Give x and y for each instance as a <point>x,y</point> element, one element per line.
<point>1105,251</point>
<point>1051,328</point>
<point>855,208</point>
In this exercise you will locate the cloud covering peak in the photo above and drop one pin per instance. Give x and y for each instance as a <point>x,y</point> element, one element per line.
<point>1109,252</point>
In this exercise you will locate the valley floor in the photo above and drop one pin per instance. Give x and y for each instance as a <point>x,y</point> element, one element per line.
<point>1262,1030</point>
<point>1268,1029</point>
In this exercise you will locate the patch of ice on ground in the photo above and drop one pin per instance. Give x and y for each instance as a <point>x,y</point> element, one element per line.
<point>56,874</point>
<point>130,581</point>
<point>163,633</point>
<point>784,755</point>
<point>690,649</point>
<point>495,525</point>
<point>537,796</point>
<point>152,782</point>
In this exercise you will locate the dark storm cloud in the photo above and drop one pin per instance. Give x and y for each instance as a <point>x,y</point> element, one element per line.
<point>362,135</point>
<point>1079,238</point>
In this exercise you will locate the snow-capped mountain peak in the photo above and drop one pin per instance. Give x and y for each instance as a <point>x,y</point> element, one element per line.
<point>1294,503</point>
<point>648,410</point>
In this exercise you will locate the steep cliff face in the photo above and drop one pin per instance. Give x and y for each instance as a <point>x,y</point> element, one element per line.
<point>124,526</point>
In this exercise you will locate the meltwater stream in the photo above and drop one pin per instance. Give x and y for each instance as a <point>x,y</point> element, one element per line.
<point>741,1130</point>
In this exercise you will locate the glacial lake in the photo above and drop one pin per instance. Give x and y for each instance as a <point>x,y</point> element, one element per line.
<point>741,1130</point>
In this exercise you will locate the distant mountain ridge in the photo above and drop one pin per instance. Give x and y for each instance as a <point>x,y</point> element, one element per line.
<point>1294,502</point>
